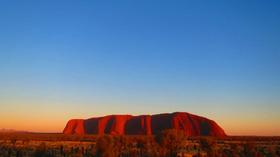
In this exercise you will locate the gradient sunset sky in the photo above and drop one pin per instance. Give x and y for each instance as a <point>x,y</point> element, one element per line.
<point>79,59</point>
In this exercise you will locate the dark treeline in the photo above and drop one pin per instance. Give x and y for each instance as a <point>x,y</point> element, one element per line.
<point>168,143</point>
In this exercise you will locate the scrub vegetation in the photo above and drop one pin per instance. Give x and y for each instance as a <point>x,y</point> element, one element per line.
<point>168,143</point>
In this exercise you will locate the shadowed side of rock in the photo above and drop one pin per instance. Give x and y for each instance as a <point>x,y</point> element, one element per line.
<point>192,125</point>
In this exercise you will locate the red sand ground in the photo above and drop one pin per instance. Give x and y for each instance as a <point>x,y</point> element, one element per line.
<point>192,125</point>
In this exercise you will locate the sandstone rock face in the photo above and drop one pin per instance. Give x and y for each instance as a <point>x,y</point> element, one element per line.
<point>192,125</point>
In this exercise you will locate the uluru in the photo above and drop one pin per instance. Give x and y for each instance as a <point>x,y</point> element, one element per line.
<point>191,124</point>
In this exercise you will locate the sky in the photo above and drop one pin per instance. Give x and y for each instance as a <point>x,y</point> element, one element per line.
<point>79,59</point>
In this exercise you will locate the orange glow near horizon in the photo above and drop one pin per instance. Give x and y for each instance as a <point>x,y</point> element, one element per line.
<point>58,128</point>
<point>56,125</point>
<point>53,118</point>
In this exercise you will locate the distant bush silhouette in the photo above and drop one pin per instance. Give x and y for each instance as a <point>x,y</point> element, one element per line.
<point>249,149</point>
<point>104,146</point>
<point>209,145</point>
<point>41,151</point>
<point>170,140</point>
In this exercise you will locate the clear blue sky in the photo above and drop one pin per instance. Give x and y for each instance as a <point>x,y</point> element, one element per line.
<point>77,59</point>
